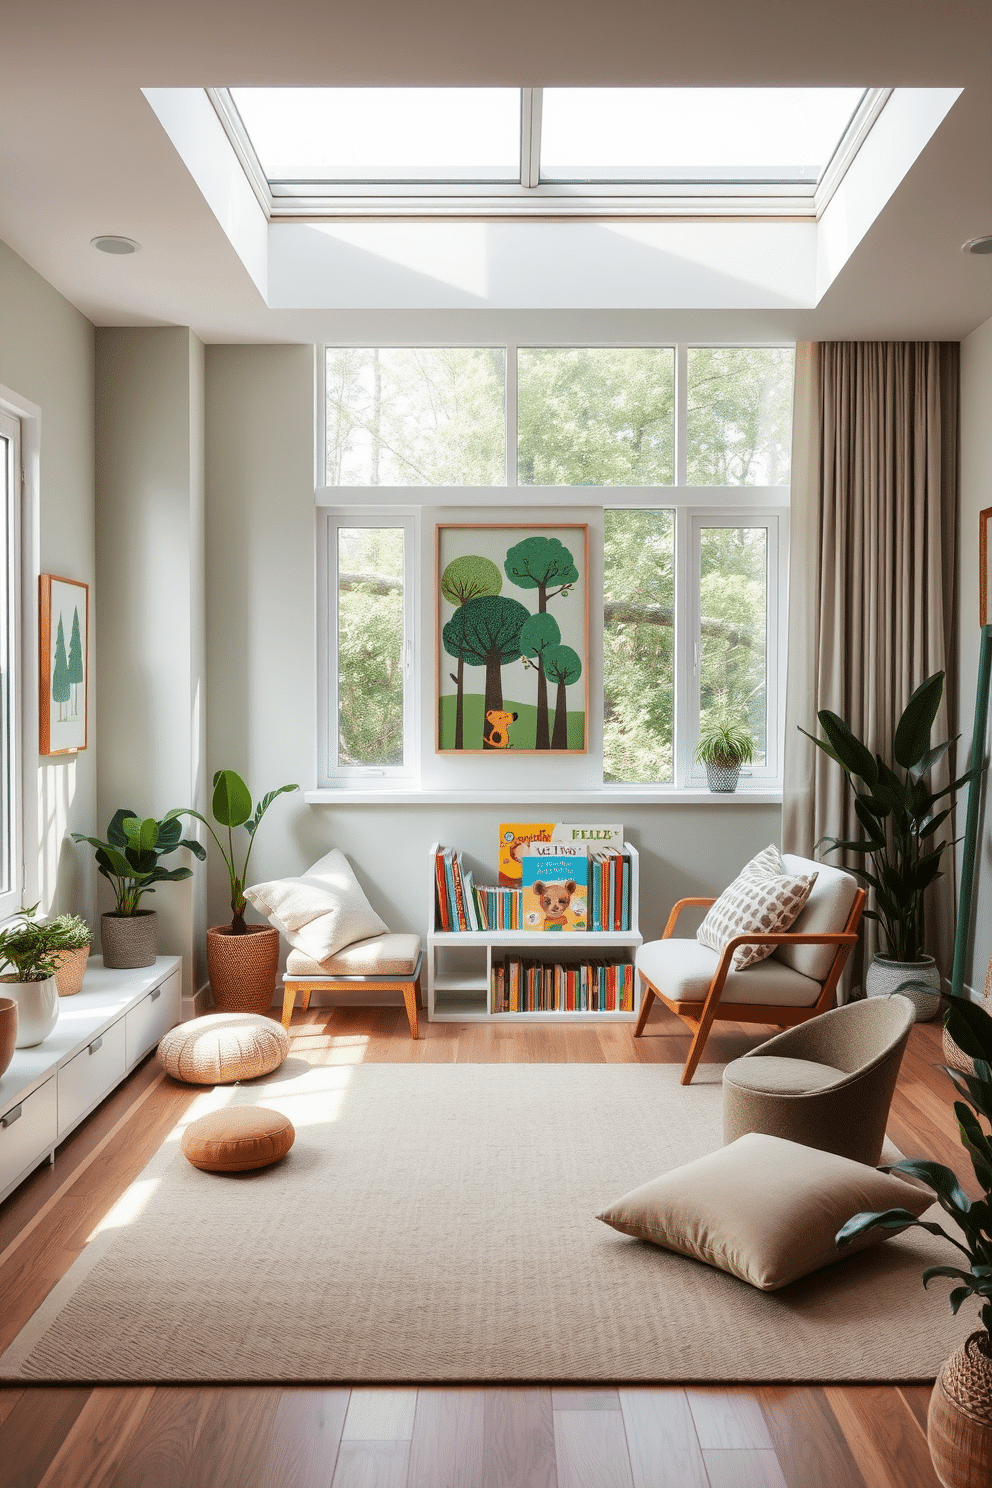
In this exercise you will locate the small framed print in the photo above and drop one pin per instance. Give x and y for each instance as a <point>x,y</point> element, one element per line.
<point>63,693</point>
<point>984,556</point>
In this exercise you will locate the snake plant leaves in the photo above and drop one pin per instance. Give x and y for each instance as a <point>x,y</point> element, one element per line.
<point>912,737</point>
<point>848,747</point>
<point>231,804</point>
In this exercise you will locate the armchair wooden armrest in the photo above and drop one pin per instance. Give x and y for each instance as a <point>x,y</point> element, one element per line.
<point>677,910</point>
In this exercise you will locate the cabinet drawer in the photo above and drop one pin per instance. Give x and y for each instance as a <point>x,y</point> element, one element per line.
<point>28,1130</point>
<point>88,1077</point>
<point>153,1016</point>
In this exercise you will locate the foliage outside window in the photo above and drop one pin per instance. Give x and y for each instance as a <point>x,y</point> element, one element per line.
<point>690,590</point>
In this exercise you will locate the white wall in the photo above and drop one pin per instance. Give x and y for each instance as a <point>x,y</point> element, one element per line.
<point>976,495</point>
<point>262,681</point>
<point>46,357</point>
<point>149,420</point>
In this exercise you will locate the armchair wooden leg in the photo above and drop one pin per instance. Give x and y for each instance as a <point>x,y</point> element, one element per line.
<point>288,998</point>
<point>699,1041</point>
<point>648,996</point>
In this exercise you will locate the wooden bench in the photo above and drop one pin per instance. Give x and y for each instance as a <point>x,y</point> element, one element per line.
<point>389,963</point>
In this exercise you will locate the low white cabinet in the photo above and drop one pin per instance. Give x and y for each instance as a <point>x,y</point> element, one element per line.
<point>101,1034</point>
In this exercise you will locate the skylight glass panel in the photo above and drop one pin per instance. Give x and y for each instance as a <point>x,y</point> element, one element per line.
<point>383,134</point>
<point>723,135</point>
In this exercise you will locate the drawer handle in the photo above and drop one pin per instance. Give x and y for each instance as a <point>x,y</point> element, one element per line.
<point>96,1044</point>
<point>156,993</point>
<point>12,1116</point>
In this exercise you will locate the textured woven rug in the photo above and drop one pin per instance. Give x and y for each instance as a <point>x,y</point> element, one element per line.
<point>436,1223</point>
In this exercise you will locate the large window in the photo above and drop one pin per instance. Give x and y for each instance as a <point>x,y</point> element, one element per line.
<point>690,446</point>
<point>10,702</point>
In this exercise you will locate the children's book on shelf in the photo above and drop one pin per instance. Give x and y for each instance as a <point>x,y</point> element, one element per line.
<point>554,892</point>
<point>516,837</point>
<point>522,985</point>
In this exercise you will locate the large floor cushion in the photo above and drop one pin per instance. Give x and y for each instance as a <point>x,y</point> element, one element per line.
<point>223,1047</point>
<point>383,955</point>
<point>684,969</point>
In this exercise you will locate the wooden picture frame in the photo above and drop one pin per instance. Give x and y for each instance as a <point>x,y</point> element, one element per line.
<point>984,555</point>
<point>63,654</point>
<point>537,712</point>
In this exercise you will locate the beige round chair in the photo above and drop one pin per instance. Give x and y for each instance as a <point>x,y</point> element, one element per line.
<point>827,1083</point>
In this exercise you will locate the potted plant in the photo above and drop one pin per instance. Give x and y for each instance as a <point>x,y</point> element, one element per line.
<point>33,949</point>
<point>70,966</point>
<point>242,959</point>
<point>129,860</point>
<point>901,818</point>
<point>723,747</point>
<point>959,1426</point>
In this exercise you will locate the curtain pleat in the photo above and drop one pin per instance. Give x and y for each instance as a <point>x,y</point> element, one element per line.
<point>872,573</point>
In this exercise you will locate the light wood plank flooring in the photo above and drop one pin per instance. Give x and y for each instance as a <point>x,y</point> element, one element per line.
<point>302,1437</point>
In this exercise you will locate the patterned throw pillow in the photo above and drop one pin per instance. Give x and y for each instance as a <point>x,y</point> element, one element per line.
<point>761,898</point>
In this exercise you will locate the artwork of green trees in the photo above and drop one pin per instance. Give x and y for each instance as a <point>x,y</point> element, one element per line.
<point>491,630</point>
<point>61,685</point>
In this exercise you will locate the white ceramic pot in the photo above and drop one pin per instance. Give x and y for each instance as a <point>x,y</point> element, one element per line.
<point>884,976</point>
<point>37,1009</point>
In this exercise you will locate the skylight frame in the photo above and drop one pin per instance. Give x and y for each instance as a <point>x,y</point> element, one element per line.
<point>532,199</point>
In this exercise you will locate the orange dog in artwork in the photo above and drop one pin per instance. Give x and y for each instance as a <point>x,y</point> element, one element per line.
<point>499,728</point>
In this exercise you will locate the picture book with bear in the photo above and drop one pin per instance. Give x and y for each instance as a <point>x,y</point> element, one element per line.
<point>515,838</point>
<point>555,891</point>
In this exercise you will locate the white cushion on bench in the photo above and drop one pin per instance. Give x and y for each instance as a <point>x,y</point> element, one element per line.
<point>383,955</point>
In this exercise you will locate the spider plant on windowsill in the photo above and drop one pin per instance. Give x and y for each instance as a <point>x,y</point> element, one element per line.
<point>723,747</point>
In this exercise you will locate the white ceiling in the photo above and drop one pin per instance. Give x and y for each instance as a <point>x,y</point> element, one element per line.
<point>82,153</point>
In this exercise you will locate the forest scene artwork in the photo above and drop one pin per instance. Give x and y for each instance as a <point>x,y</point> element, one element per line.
<point>64,611</point>
<point>512,638</point>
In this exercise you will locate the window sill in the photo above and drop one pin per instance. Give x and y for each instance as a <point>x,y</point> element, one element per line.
<point>630,795</point>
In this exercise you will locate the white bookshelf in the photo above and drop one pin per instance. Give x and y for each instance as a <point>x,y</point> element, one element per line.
<point>459,963</point>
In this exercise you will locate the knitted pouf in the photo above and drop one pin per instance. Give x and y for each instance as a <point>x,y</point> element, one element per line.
<point>223,1047</point>
<point>238,1139</point>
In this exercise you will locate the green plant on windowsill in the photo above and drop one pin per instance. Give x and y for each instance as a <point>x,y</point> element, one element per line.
<point>725,744</point>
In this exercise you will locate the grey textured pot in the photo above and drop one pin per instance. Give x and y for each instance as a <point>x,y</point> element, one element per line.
<point>722,777</point>
<point>129,940</point>
<point>883,977</point>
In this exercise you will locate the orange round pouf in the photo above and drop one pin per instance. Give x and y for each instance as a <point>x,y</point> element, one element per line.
<point>237,1139</point>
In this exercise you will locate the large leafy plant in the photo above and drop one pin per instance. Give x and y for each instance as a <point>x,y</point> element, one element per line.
<point>232,807</point>
<point>971,1029</point>
<point>899,814</point>
<point>129,858</point>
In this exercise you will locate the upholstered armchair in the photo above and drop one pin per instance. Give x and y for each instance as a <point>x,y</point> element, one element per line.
<point>798,981</point>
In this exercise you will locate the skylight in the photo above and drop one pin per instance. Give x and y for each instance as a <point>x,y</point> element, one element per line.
<point>552,152</point>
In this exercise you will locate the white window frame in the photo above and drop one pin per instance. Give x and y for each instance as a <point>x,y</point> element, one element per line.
<point>694,507</point>
<point>330,522</point>
<point>11,669</point>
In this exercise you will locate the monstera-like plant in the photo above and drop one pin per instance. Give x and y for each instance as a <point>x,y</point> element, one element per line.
<point>129,860</point>
<point>242,959</point>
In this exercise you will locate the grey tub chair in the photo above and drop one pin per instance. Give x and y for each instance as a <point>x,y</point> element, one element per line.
<point>827,1083</point>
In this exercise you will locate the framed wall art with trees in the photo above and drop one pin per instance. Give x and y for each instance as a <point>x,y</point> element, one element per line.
<point>64,606</point>
<point>512,638</point>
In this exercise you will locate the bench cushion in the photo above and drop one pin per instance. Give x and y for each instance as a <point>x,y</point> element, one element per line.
<point>383,955</point>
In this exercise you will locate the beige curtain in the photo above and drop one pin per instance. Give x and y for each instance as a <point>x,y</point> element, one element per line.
<point>872,573</point>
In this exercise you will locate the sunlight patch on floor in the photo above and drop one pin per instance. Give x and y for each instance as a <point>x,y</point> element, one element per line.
<point>127,1208</point>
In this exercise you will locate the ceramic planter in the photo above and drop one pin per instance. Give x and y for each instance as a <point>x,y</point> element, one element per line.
<point>8,1031</point>
<point>959,1423</point>
<point>243,968</point>
<point>129,940</point>
<point>721,776</point>
<point>884,976</point>
<point>37,1009</point>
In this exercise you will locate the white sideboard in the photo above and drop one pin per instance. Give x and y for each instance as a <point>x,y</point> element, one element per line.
<point>101,1035</point>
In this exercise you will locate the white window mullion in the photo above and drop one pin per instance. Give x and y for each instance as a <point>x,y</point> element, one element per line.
<point>11,868</point>
<point>685,648</point>
<point>511,415</point>
<point>681,414</point>
<point>531,107</point>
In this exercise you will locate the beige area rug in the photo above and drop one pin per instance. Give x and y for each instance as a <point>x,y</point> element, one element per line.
<point>436,1223</point>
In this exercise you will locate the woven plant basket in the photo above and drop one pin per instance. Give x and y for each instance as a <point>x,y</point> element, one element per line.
<point>243,968</point>
<point>959,1423</point>
<point>69,972</point>
<point>952,1054</point>
<point>129,940</point>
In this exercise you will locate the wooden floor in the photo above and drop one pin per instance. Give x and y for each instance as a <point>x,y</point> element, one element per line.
<point>259,1437</point>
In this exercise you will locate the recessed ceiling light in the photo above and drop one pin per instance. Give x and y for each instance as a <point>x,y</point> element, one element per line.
<point>978,245</point>
<point>110,243</point>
